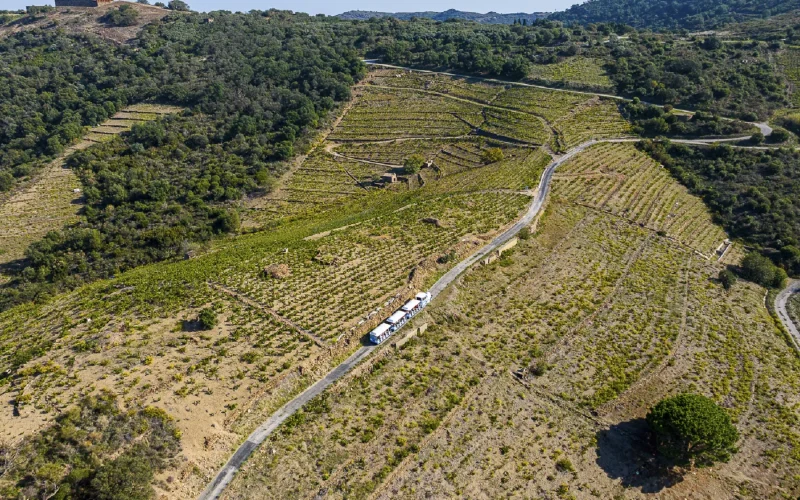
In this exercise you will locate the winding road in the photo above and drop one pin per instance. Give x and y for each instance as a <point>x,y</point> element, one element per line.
<point>228,471</point>
<point>226,474</point>
<point>780,307</point>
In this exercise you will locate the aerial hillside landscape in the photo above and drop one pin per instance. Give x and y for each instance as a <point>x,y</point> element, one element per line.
<point>281,255</point>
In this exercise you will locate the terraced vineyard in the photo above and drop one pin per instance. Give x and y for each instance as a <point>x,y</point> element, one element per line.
<point>548,104</point>
<point>597,118</point>
<point>789,60</point>
<point>337,281</point>
<point>618,316</point>
<point>381,114</point>
<point>464,88</point>
<point>517,126</point>
<point>619,179</point>
<point>580,72</point>
<point>609,296</point>
<point>52,199</point>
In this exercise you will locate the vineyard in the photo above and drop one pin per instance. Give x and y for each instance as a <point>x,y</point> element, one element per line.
<point>595,119</point>
<point>603,295</point>
<point>381,114</point>
<point>52,199</point>
<point>789,60</point>
<point>534,374</point>
<point>619,179</point>
<point>464,88</point>
<point>581,72</point>
<point>337,280</point>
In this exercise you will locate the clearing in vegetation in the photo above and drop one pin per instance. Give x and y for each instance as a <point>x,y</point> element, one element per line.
<point>52,199</point>
<point>580,72</point>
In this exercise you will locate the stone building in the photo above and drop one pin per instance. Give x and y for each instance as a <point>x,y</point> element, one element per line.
<point>81,3</point>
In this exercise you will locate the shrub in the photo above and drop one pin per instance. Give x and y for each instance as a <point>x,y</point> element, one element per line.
<point>492,155</point>
<point>413,164</point>
<point>692,429</point>
<point>128,476</point>
<point>207,319</point>
<point>564,465</point>
<point>539,368</point>
<point>124,16</point>
<point>779,135</point>
<point>178,5</point>
<point>6,181</point>
<point>727,278</point>
<point>761,270</point>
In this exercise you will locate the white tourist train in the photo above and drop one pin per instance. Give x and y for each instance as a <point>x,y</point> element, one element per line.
<point>399,318</point>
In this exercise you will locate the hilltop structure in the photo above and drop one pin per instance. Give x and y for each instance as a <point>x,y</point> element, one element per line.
<point>82,3</point>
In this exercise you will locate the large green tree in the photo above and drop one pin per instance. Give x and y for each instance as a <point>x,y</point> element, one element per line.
<point>693,430</point>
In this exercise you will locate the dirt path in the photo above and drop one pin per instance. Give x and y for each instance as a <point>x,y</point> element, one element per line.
<point>780,306</point>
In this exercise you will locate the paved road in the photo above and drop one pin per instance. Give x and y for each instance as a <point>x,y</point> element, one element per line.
<point>533,211</point>
<point>225,475</point>
<point>783,314</point>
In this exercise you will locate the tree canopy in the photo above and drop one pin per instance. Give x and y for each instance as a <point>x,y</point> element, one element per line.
<point>692,430</point>
<point>687,14</point>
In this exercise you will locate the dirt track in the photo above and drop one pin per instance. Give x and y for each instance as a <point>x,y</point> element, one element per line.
<point>780,306</point>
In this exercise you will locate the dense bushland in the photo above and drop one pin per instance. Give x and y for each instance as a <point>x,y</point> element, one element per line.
<point>650,121</point>
<point>734,79</point>
<point>255,87</point>
<point>688,14</point>
<point>94,450</point>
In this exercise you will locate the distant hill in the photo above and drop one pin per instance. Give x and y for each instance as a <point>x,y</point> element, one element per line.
<point>488,18</point>
<point>674,14</point>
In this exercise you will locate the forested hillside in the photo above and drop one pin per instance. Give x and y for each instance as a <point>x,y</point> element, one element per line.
<point>735,79</point>
<point>254,87</point>
<point>488,18</point>
<point>696,15</point>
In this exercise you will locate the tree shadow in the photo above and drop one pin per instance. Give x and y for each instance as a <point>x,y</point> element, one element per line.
<point>626,451</point>
<point>192,325</point>
<point>14,267</point>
